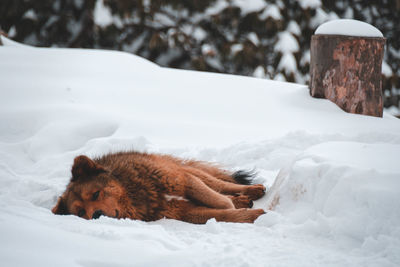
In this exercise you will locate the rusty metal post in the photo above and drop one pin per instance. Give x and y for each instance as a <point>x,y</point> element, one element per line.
<point>347,71</point>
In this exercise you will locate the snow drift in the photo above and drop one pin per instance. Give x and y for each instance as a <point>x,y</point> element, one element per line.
<point>335,199</point>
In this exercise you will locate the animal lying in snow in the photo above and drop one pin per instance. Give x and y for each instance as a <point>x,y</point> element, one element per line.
<point>149,187</point>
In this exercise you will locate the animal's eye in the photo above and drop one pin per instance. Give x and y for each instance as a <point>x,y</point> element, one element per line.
<point>81,213</point>
<point>95,196</point>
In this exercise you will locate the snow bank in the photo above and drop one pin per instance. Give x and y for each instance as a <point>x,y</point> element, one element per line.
<point>347,191</point>
<point>348,27</point>
<point>338,182</point>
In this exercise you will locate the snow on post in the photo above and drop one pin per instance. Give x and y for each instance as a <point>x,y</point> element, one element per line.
<point>346,62</point>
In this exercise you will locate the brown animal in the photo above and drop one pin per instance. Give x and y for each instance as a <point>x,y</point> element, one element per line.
<point>149,187</point>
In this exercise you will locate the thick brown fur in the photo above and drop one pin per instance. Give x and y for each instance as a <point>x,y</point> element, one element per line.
<point>149,187</point>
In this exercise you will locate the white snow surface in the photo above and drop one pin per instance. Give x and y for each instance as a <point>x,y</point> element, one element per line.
<point>309,3</point>
<point>102,14</point>
<point>333,178</point>
<point>349,27</point>
<point>288,63</point>
<point>271,11</point>
<point>250,6</point>
<point>287,43</point>
<point>386,69</point>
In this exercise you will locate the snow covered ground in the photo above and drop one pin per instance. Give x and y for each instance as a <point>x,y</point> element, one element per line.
<point>335,199</point>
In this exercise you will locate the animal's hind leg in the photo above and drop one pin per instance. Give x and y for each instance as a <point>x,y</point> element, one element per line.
<point>253,191</point>
<point>241,201</point>
<point>199,191</point>
<point>216,184</point>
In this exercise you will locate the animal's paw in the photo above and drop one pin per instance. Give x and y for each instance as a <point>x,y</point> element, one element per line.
<point>255,191</point>
<point>242,201</point>
<point>249,215</point>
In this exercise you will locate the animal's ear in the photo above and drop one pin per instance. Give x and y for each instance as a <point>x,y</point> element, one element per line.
<point>84,167</point>
<point>60,208</point>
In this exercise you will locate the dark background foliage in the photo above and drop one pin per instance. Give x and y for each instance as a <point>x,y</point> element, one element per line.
<point>262,38</point>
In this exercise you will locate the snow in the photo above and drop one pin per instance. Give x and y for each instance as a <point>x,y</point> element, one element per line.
<point>294,28</point>
<point>271,11</point>
<point>336,174</point>
<point>321,16</point>
<point>309,4</point>
<point>249,6</point>
<point>30,14</point>
<point>12,32</point>
<point>259,72</point>
<point>286,43</point>
<point>349,190</point>
<point>395,111</point>
<point>102,14</point>
<point>279,77</point>
<point>348,27</point>
<point>216,8</point>
<point>235,48</point>
<point>244,5</point>
<point>306,58</point>
<point>349,14</point>
<point>253,38</point>
<point>287,63</point>
<point>207,49</point>
<point>199,34</point>
<point>386,69</point>
<point>8,42</point>
<point>163,20</point>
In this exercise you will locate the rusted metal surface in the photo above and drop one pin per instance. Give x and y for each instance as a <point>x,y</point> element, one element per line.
<point>347,71</point>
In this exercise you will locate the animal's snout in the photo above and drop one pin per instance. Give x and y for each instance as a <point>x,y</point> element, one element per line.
<point>97,214</point>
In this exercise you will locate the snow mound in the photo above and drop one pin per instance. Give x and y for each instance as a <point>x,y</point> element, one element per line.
<point>345,190</point>
<point>348,27</point>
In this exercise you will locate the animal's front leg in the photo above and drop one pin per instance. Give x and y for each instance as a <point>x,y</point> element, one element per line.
<point>192,213</point>
<point>201,215</point>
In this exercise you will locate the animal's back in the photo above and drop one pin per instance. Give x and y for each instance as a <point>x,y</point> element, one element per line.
<point>144,163</point>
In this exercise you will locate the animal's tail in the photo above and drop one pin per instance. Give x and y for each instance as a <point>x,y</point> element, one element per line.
<point>244,177</point>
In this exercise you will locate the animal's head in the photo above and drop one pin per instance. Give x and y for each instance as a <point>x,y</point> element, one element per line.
<point>92,192</point>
